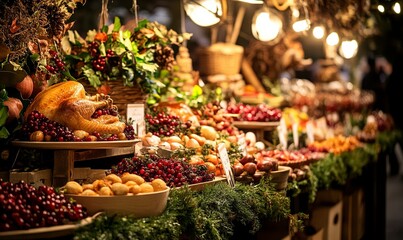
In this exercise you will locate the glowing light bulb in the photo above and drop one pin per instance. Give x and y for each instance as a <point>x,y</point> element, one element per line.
<point>204,13</point>
<point>381,8</point>
<point>318,32</point>
<point>301,25</point>
<point>266,25</point>
<point>396,7</point>
<point>348,49</point>
<point>332,39</point>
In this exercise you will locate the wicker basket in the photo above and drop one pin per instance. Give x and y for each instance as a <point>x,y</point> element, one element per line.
<point>220,58</point>
<point>120,94</point>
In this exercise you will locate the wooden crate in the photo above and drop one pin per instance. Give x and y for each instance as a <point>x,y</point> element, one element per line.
<point>328,214</point>
<point>88,175</point>
<point>36,178</point>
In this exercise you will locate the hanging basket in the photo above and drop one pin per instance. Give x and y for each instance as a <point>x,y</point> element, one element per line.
<point>221,58</point>
<point>120,94</point>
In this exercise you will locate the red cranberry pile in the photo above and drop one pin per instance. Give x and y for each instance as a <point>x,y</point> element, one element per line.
<point>22,206</point>
<point>104,111</point>
<point>163,124</point>
<point>174,172</point>
<point>259,113</point>
<point>56,132</point>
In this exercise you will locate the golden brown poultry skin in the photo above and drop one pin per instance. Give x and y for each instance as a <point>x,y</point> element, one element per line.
<point>67,104</point>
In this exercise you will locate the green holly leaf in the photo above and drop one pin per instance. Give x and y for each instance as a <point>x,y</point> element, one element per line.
<point>11,74</point>
<point>116,24</point>
<point>3,114</point>
<point>4,132</point>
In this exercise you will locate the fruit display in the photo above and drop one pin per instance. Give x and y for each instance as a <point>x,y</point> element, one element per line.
<point>251,169</point>
<point>259,113</point>
<point>213,115</point>
<point>173,172</point>
<point>25,207</point>
<point>336,144</point>
<point>113,185</point>
<point>64,113</point>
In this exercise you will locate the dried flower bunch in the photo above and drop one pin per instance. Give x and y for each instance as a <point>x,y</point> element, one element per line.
<point>25,22</point>
<point>114,54</point>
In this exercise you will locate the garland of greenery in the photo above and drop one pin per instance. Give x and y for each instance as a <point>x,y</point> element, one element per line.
<point>309,185</point>
<point>337,169</point>
<point>217,212</point>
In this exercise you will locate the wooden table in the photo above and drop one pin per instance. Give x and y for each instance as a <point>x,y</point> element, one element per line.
<point>66,153</point>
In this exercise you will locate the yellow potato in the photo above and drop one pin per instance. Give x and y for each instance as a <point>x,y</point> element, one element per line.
<point>73,187</point>
<point>146,188</point>
<point>158,185</point>
<point>89,192</point>
<point>105,191</point>
<point>135,189</point>
<point>113,178</point>
<point>120,189</point>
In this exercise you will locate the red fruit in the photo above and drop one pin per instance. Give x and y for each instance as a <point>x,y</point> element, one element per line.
<point>250,168</point>
<point>247,158</point>
<point>25,87</point>
<point>14,108</point>
<point>265,165</point>
<point>237,169</point>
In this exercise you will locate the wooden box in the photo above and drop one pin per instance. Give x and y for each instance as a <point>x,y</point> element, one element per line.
<point>36,178</point>
<point>358,216</point>
<point>328,214</point>
<point>88,175</point>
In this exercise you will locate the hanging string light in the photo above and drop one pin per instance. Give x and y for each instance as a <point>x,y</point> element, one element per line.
<point>266,24</point>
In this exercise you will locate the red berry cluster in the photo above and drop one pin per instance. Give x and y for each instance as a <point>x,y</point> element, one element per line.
<point>104,111</point>
<point>54,131</point>
<point>22,206</point>
<point>259,113</point>
<point>36,121</point>
<point>56,65</point>
<point>163,124</point>
<point>93,48</point>
<point>174,172</point>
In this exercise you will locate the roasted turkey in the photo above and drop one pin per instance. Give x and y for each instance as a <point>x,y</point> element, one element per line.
<point>67,104</point>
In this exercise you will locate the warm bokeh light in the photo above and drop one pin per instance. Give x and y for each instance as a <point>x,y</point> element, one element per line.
<point>301,25</point>
<point>332,39</point>
<point>348,49</point>
<point>396,7</point>
<point>318,32</point>
<point>202,12</point>
<point>266,25</point>
<point>381,8</point>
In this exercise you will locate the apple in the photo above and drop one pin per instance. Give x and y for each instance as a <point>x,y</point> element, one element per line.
<point>250,168</point>
<point>247,159</point>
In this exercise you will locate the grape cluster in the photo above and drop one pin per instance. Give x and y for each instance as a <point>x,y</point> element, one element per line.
<point>104,111</point>
<point>129,132</point>
<point>99,63</point>
<point>259,113</point>
<point>174,172</point>
<point>163,124</point>
<point>52,130</point>
<point>57,64</point>
<point>93,48</point>
<point>23,206</point>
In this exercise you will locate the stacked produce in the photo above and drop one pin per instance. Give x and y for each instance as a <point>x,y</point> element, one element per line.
<point>259,113</point>
<point>336,144</point>
<point>174,172</point>
<point>113,185</point>
<point>249,168</point>
<point>24,207</point>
